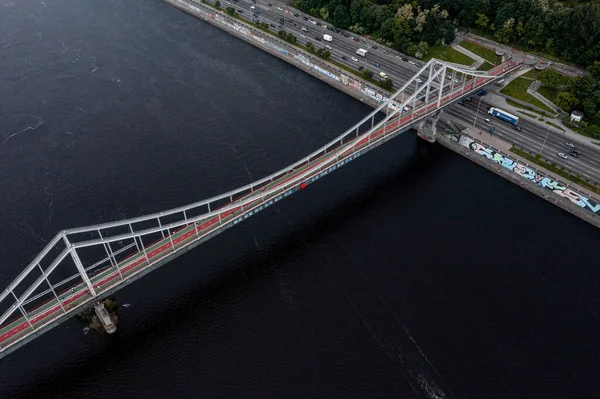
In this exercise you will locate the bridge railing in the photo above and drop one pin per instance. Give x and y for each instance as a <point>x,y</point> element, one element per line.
<point>421,107</point>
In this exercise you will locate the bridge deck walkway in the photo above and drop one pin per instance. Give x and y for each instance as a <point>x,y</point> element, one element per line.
<point>112,275</point>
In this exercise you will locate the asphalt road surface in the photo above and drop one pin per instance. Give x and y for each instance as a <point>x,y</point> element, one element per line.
<point>531,137</point>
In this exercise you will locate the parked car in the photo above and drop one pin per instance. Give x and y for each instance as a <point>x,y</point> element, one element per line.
<point>386,52</point>
<point>404,59</point>
<point>269,5</point>
<point>374,47</point>
<point>563,156</point>
<point>570,145</point>
<point>280,9</point>
<point>356,40</point>
<point>305,18</point>
<point>398,57</point>
<point>411,62</point>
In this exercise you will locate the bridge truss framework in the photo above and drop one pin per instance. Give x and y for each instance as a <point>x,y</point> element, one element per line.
<point>67,275</point>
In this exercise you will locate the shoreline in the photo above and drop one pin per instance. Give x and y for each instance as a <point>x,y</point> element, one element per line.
<point>370,95</point>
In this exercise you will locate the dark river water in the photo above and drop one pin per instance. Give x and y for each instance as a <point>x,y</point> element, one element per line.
<point>398,276</point>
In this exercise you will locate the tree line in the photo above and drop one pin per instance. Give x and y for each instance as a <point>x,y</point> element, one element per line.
<point>581,93</point>
<point>568,30</point>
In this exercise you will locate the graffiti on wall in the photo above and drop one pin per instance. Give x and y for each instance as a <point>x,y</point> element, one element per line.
<point>531,174</point>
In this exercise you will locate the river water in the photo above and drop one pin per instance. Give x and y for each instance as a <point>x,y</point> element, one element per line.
<point>398,276</point>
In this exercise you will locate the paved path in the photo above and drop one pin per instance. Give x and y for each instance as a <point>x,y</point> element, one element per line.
<point>110,277</point>
<point>530,59</point>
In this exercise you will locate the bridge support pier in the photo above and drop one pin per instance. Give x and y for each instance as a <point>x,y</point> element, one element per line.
<point>427,129</point>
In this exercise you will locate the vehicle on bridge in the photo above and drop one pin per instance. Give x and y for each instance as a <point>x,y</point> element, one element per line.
<point>505,116</point>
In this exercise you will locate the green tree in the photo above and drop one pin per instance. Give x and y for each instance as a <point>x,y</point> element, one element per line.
<point>387,84</point>
<point>310,47</point>
<point>367,74</point>
<point>218,4</point>
<point>566,100</point>
<point>550,78</point>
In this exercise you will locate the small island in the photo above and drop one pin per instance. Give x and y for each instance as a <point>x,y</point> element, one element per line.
<point>106,308</point>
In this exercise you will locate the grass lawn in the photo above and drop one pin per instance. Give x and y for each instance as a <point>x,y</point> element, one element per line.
<point>518,89</point>
<point>555,125</point>
<point>483,52</point>
<point>447,53</point>
<point>529,115</point>
<point>549,93</point>
<point>531,74</point>
<point>486,66</point>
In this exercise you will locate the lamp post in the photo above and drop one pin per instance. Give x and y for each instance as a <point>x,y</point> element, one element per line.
<point>477,113</point>
<point>544,143</point>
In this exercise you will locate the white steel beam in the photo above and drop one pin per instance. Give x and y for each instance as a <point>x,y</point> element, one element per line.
<point>79,266</point>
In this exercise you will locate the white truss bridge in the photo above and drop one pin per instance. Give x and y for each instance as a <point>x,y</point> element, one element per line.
<point>84,264</point>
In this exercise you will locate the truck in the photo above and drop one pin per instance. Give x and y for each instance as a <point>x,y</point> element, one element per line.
<point>327,38</point>
<point>505,116</point>
<point>362,52</point>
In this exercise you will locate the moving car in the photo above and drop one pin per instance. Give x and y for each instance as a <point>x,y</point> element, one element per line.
<point>573,154</point>
<point>563,156</point>
<point>344,57</point>
<point>354,59</point>
<point>252,8</point>
<point>304,29</point>
<point>570,145</point>
<point>328,47</point>
<point>383,75</point>
<point>488,121</point>
<point>280,9</point>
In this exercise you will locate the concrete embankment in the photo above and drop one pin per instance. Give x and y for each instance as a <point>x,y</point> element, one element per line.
<point>513,169</point>
<point>323,70</point>
<point>370,95</point>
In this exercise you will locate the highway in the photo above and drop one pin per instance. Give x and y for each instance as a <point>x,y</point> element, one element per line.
<point>531,137</point>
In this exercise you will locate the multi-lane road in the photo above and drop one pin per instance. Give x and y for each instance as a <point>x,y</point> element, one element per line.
<point>532,137</point>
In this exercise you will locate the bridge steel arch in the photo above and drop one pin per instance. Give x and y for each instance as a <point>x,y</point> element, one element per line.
<point>42,304</point>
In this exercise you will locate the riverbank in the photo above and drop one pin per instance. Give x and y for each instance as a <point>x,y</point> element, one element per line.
<point>575,200</point>
<point>321,69</point>
<point>368,94</point>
